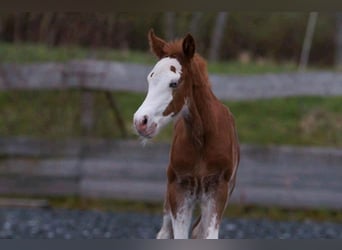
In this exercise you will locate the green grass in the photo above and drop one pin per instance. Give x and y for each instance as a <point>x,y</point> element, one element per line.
<point>28,53</point>
<point>239,68</point>
<point>232,211</point>
<point>56,114</point>
<point>297,121</point>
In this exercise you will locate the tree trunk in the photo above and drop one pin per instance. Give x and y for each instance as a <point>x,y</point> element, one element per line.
<point>1,27</point>
<point>169,25</point>
<point>87,112</point>
<point>310,29</point>
<point>109,30</point>
<point>217,35</point>
<point>338,41</point>
<point>194,23</point>
<point>17,23</point>
<point>44,25</point>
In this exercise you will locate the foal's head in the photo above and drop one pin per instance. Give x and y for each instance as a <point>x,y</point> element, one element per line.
<point>167,90</point>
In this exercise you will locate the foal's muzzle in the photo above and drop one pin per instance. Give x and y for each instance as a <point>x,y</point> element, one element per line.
<point>144,127</point>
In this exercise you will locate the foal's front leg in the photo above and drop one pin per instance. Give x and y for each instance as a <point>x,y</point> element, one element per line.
<point>213,202</point>
<point>166,231</point>
<point>181,200</point>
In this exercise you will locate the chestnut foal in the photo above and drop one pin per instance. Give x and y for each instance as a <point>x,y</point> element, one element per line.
<point>205,151</point>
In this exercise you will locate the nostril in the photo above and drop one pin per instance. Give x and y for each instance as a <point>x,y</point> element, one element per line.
<point>144,121</point>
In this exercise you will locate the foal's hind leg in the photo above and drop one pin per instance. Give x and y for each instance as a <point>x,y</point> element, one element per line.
<point>213,201</point>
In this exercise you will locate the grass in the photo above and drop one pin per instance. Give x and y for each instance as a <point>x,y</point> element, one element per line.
<point>56,114</point>
<point>296,120</point>
<point>232,211</point>
<point>240,68</point>
<point>28,53</point>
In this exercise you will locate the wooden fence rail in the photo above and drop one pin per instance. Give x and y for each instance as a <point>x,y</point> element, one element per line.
<point>115,76</point>
<point>283,176</point>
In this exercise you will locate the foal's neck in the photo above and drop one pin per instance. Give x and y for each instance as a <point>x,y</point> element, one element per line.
<point>199,108</point>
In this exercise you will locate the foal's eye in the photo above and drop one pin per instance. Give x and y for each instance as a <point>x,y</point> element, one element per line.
<point>173,85</point>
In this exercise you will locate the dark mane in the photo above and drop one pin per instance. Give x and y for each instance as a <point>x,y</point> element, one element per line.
<point>194,76</point>
<point>173,48</point>
<point>198,65</point>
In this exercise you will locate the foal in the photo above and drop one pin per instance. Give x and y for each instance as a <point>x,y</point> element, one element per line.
<point>205,153</point>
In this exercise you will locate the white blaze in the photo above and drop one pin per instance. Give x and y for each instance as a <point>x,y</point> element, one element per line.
<point>159,93</point>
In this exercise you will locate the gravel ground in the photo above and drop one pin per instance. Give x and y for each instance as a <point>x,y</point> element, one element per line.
<point>73,224</point>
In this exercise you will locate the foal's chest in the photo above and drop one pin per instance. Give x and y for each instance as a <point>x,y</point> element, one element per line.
<point>188,162</point>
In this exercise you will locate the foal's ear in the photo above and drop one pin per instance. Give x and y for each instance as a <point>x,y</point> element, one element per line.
<point>189,46</point>
<point>156,44</point>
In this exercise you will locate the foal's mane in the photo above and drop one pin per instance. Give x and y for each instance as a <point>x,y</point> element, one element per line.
<point>197,81</point>
<point>198,65</point>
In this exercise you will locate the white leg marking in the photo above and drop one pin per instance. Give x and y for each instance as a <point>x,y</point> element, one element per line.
<point>166,229</point>
<point>210,226</point>
<point>213,228</point>
<point>181,224</point>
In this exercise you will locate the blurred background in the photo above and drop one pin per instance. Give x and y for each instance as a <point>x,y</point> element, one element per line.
<point>70,83</point>
<point>246,36</point>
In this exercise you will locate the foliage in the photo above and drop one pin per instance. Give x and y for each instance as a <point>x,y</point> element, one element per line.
<point>274,35</point>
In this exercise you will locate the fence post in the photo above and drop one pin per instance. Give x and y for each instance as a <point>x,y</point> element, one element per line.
<point>217,36</point>
<point>117,113</point>
<point>87,112</point>
<point>310,29</point>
